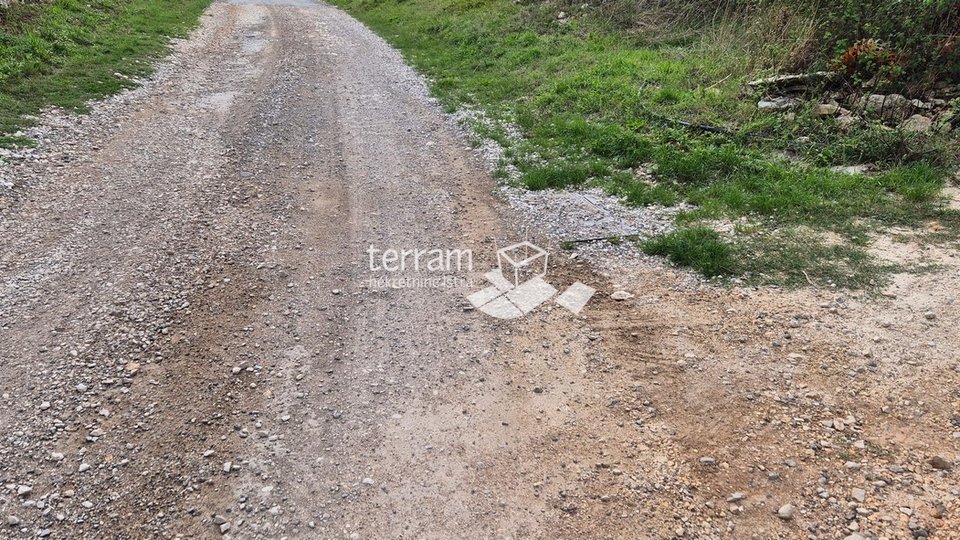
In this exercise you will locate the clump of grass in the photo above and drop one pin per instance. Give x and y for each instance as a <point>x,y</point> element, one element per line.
<point>558,177</point>
<point>700,248</point>
<point>636,192</point>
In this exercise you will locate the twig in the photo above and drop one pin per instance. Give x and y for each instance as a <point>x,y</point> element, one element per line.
<point>701,127</point>
<point>718,82</point>
<point>602,238</point>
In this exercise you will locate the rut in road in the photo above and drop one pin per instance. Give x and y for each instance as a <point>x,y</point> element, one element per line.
<point>188,300</point>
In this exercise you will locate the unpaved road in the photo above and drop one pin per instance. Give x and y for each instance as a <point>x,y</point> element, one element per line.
<point>189,347</point>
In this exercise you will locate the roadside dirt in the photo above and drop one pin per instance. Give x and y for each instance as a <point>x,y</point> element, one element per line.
<point>190,345</point>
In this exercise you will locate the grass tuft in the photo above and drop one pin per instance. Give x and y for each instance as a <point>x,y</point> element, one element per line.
<point>700,248</point>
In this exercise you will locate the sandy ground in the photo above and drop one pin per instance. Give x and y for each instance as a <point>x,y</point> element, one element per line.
<point>190,345</point>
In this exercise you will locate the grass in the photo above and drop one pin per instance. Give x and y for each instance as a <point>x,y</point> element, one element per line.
<point>67,52</point>
<point>700,248</point>
<point>596,104</point>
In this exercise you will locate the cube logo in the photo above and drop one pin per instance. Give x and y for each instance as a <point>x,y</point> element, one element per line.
<point>517,285</point>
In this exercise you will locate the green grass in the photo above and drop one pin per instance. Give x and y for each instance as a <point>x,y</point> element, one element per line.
<point>789,257</point>
<point>700,248</point>
<point>67,52</point>
<point>594,102</point>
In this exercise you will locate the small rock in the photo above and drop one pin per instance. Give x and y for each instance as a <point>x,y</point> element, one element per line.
<point>786,512</point>
<point>940,463</point>
<point>708,461</point>
<point>917,124</point>
<point>776,104</point>
<point>858,494</point>
<point>24,490</point>
<point>826,109</point>
<point>13,520</point>
<point>738,496</point>
<point>368,481</point>
<point>621,295</point>
<point>84,467</point>
<point>889,107</point>
<point>846,122</point>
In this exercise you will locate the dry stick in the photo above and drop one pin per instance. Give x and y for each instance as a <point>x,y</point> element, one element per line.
<point>601,238</point>
<point>701,127</point>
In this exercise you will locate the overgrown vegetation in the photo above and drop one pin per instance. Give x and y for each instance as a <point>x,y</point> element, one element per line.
<point>66,52</point>
<point>604,92</point>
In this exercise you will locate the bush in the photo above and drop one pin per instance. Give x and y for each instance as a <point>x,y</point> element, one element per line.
<point>913,42</point>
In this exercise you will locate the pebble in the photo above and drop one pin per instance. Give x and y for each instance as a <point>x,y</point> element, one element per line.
<point>84,467</point>
<point>738,496</point>
<point>786,512</point>
<point>940,463</point>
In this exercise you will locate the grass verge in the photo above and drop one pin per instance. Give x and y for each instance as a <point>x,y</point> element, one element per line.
<point>67,52</point>
<point>597,104</point>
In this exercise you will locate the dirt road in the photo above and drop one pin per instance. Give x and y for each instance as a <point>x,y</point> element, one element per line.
<point>190,345</point>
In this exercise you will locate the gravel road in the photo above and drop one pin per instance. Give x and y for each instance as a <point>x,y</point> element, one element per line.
<point>191,346</point>
<point>189,342</point>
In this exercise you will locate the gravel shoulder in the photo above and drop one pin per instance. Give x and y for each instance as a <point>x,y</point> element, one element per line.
<point>189,344</point>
